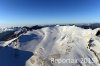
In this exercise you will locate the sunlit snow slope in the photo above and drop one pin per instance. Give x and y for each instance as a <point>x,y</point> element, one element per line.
<point>58,46</point>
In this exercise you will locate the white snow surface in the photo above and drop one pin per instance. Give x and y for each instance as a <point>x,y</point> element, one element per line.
<point>60,44</point>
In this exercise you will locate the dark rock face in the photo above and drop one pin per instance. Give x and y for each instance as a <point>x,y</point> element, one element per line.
<point>91,44</point>
<point>36,27</point>
<point>28,28</point>
<point>98,33</point>
<point>33,27</point>
<point>4,36</point>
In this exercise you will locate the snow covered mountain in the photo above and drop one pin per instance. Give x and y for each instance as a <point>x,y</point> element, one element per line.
<point>50,46</point>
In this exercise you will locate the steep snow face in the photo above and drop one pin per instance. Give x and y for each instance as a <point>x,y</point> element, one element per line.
<point>60,46</point>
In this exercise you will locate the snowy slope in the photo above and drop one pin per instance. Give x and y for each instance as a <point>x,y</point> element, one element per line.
<point>59,46</point>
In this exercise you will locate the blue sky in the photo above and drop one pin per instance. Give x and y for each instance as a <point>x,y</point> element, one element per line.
<point>30,12</point>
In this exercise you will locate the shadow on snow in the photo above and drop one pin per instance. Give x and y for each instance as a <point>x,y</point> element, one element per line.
<point>13,57</point>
